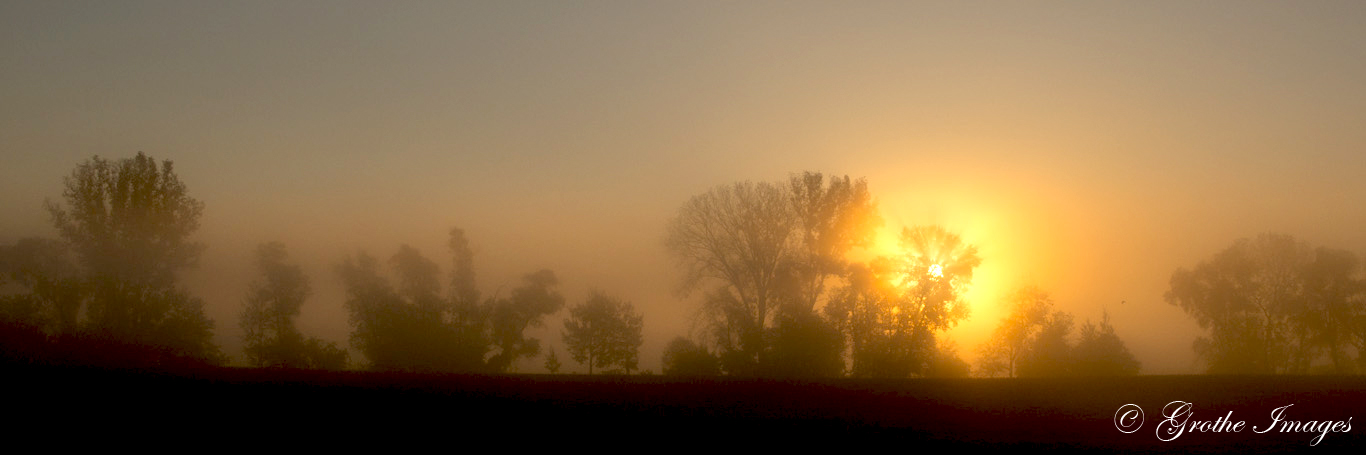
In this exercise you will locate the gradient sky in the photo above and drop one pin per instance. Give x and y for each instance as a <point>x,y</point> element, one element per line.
<point>1088,148</point>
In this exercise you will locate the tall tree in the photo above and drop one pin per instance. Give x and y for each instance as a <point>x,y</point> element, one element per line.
<point>271,338</point>
<point>129,223</point>
<point>737,236</point>
<point>832,216</point>
<point>760,249</point>
<point>603,332</point>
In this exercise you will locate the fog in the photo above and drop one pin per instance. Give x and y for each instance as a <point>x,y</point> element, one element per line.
<point>1087,149</point>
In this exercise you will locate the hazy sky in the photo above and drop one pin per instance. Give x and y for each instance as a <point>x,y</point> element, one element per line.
<point>1089,148</point>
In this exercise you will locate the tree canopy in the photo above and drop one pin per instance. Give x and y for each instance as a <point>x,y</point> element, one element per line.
<point>129,224</point>
<point>603,332</point>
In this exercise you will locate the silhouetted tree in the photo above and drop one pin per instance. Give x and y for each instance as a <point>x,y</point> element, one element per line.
<point>892,308</point>
<point>684,358</point>
<point>738,236</point>
<point>129,224</point>
<point>760,249</point>
<point>1253,299</point>
<point>529,304</point>
<point>1100,352</point>
<point>603,332</point>
<point>271,339</point>
<point>831,217</point>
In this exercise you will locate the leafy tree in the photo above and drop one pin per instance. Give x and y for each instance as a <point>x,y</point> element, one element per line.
<point>738,236</point>
<point>603,332</point>
<point>832,216</point>
<point>129,224</point>
<point>268,317</point>
<point>1254,300</point>
<point>892,308</point>
<point>529,304</point>
<point>684,358</point>
<point>761,249</point>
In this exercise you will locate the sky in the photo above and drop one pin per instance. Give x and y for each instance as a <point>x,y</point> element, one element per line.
<point>1086,148</point>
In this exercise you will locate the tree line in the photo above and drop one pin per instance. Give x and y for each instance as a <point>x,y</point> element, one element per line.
<point>767,263</point>
<point>1275,305</point>
<point>779,296</point>
<point>107,293</point>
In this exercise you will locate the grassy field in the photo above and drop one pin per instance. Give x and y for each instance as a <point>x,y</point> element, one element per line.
<point>544,410</point>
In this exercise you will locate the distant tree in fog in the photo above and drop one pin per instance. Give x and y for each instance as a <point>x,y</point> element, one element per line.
<point>1273,305</point>
<point>1036,340</point>
<point>603,332</point>
<point>129,224</point>
<point>272,304</point>
<point>552,362</point>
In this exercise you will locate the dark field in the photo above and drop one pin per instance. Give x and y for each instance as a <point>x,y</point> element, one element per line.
<point>525,410</point>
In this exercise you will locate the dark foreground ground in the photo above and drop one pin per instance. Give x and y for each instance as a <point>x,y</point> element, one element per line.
<point>304,407</point>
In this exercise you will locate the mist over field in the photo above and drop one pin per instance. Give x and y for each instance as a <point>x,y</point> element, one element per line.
<point>1085,151</point>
